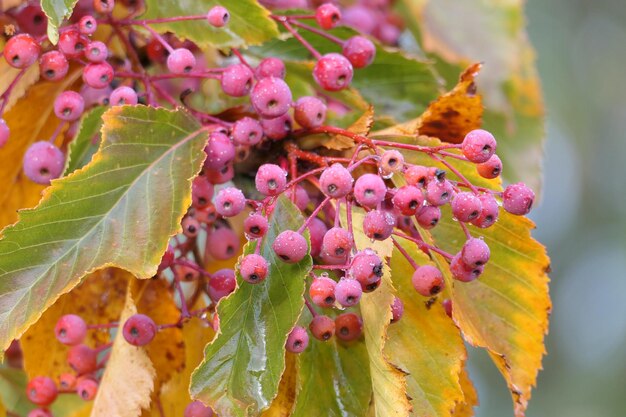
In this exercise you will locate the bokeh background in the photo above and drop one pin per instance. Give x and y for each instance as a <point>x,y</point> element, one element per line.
<point>581,51</point>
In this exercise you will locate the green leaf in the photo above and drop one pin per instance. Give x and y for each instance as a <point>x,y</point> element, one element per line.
<point>102,215</point>
<point>86,143</point>
<point>395,83</point>
<point>249,22</point>
<point>57,11</point>
<point>243,364</point>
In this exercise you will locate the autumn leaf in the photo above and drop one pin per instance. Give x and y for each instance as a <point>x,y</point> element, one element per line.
<point>8,74</point>
<point>361,126</point>
<point>57,11</point>
<point>286,397</point>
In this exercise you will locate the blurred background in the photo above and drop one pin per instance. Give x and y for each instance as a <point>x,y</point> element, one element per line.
<point>581,51</point>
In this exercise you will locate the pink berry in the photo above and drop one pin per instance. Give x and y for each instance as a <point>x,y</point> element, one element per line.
<point>98,75</point>
<point>167,259</point>
<point>378,224</point>
<point>191,227</point>
<point>96,51</point>
<point>5,132</point>
<point>21,51</point>
<point>82,359</point>
<point>123,95</point>
<point>475,252</point>
<point>490,169</point>
<point>70,330</point>
<point>103,6</point>
<point>255,226</point>
<point>218,16</point>
<point>221,175</point>
<point>466,206</point>
<point>348,327</point>
<point>302,197</point>
<point>247,131</point>
<point>428,280</point>
<point>201,192</point>
<point>310,112</point>
<point>447,307</point>
<point>221,284</point>
<point>87,25</point>
<point>95,96</point>
<point>223,243</point>
<point>370,190</point>
<point>348,292</point>
<point>30,18</point>
<point>271,67</point>
<point>428,216</point>
<point>139,330</point>
<point>361,18</point>
<point>237,80</point>
<point>439,193</point>
<point>518,199</point>
<point>290,246</point>
<point>43,162</point>
<point>53,66</point>
<point>87,389</point>
<point>220,151</point>
<point>478,146</point>
<point>253,268</point>
<point>417,175</point>
<point>41,390</point>
<point>230,202</point>
<point>408,200</point>
<point>72,43</point>
<point>397,310</point>
<point>298,340</point>
<point>360,51</point>
<point>270,179</point>
<point>367,268</point>
<point>69,106</point>
<point>322,328</point>
<point>271,97</point>
<point>322,292</point>
<point>391,161</point>
<point>489,212</point>
<point>327,16</point>
<point>39,412</point>
<point>181,61</point>
<point>463,272</point>
<point>336,181</point>
<point>337,243</point>
<point>333,72</point>
<point>317,229</point>
<point>277,128</point>
<point>197,409</point>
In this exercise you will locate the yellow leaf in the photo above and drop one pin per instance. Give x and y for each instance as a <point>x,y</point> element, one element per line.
<point>466,407</point>
<point>283,403</point>
<point>3,411</point>
<point>98,300</point>
<point>128,378</point>
<point>8,74</point>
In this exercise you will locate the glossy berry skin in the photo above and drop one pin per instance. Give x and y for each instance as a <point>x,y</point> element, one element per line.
<point>70,330</point>
<point>123,95</point>
<point>5,132</point>
<point>348,327</point>
<point>367,268</point>
<point>271,97</point>
<point>417,175</point>
<point>87,25</point>
<point>201,192</point>
<point>317,230</point>
<point>490,169</point>
<point>67,380</point>
<point>87,388</point>
<point>322,292</point>
<point>391,161</point>
<point>478,146</point>
<point>96,51</point>
<point>298,340</point>
<point>428,280</point>
<point>237,80</point>
<point>475,252</point>
<point>290,246</point>
<point>428,216</point>
<point>369,190</point>
<point>439,193</point>
<point>397,310</point>
<point>223,243</point>
<point>191,227</point>
<point>378,224</point>
<point>336,181</point>
<point>43,162</point>
<point>53,66</point>
<point>139,330</point>
<point>327,16</point>
<point>220,151</point>
<point>221,284</point>
<point>181,61</point>
<point>72,43</point>
<point>271,67</point>
<point>518,199</point>
<point>247,131</point>
<point>255,226</point>
<point>333,72</point>
<point>98,75</point>
<point>253,268</point>
<point>309,112</point>
<point>360,51</point>
<point>218,16</point>
<point>322,328</point>
<point>41,390</point>
<point>197,409</point>
<point>270,179</point>
<point>39,412</point>
<point>489,212</point>
<point>69,106</point>
<point>230,201</point>
<point>348,292</point>
<point>21,51</point>
<point>408,200</point>
<point>31,19</point>
<point>277,128</point>
<point>466,206</point>
<point>82,359</point>
<point>337,242</point>
<point>463,272</point>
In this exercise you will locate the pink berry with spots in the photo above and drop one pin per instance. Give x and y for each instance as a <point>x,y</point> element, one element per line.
<point>309,112</point>
<point>367,268</point>
<point>336,181</point>
<point>378,224</point>
<point>271,67</point>
<point>43,162</point>
<point>462,271</point>
<point>322,328</point>
<point>475,252</point>
<point>237,80</point>
<point>391,161</point>
<point>96,51</point>
<point>439,193</point>
<point>247,132</point>
<point>322,292</point>
<point>69,106</point>
<point>271,97</point>
<point>123,95</point>
<point>408,200</point>
<point>270,179</point>
<point>348,292</point>
<point>369,190</point>
<point>478,146</point>
<point>253,268</point>
<point>337,242</point>
<point>181,61</point>
<point>490,169</point>
<point>98,75</point>
<point>220,151</point>
<point>230,201</point>
<point>428,280</point>
<point>489,212</point>
<point>290,246</point>
<point>87,25</point>
<point>466,206</point>
<point>221,283</point>
<point>360,51</point>
<point>277,128</point>
<point>70,330</point>
<point>87,389</point>
<point>518,199</point>
<point>428,216</point>
<point>333,72</point>
<point>139,330</point>
<point>21,51</point>
<point>298,340</point>
<point>327,16</point>
<point>72,43</point>
<point>417,175</point>
<point>255,226</point>
<point>41,390</point>
<point>218,16</point>
<point>53,66</point>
